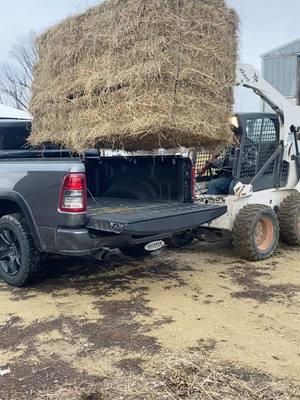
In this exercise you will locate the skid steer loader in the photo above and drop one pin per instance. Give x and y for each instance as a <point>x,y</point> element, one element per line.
<point>257,178</point>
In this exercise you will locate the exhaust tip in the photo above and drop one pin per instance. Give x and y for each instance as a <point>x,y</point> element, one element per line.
<point>102,254</point>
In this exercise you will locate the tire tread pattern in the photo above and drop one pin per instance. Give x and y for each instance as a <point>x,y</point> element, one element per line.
<point>287,219</point>
<point>243,228</point>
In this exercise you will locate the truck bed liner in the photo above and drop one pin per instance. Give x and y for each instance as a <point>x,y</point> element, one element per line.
<point>148,218</point>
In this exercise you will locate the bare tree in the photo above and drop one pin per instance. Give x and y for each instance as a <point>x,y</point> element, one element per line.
<point>17,74</point>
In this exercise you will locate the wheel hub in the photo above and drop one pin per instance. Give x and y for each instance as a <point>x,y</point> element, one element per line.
<point>264,234</point>
<point>13,250</point>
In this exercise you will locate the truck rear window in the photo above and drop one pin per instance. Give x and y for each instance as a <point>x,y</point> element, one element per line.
<point>14,137</point>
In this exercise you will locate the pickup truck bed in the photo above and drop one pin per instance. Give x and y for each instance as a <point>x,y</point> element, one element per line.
<point>53,201</point>
<point>147,218</point>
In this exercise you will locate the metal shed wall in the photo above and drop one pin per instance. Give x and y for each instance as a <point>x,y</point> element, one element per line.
<point>280,68</point>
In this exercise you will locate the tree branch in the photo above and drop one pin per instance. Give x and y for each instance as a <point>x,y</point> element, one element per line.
<point>16,76</point>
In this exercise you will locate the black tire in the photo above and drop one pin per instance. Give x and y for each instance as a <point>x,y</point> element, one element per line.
<point>256,232</point>
<point>137,251</point>
<point>180,240</point>
<point>19,258</point>
<point>289,220</point>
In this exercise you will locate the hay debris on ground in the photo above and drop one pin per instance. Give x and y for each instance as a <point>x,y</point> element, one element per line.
<point>137,75</point>
<point>188,377</point>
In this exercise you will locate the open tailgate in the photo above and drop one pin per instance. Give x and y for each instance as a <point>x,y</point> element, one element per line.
<point>148,218</point>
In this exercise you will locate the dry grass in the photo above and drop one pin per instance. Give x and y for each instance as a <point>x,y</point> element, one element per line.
<point>190,377</point>
<point>138,75</point>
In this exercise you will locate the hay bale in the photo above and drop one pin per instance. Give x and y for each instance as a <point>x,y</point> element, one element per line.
<point>137,75</point>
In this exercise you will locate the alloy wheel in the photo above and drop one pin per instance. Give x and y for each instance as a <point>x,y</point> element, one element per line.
<point>10,252</point>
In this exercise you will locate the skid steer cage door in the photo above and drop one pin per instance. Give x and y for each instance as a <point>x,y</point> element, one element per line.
<point>260,161</point>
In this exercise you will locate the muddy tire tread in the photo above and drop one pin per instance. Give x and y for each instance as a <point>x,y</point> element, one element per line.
<point>242,229</point>
<point>287,213</point>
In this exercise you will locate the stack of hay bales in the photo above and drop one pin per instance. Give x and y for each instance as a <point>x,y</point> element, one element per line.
<point>137,75</point>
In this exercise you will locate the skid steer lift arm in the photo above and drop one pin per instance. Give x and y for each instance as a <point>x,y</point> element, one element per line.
<point>289,114</point>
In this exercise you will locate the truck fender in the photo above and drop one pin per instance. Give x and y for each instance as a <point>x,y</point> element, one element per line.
<point>22,204</point>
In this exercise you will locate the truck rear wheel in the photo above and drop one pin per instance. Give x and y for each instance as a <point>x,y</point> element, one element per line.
<point>256,232</point>
<point>289,220</point>
<point>19,258</point>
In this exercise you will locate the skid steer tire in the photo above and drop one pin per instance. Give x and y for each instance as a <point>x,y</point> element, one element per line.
<point>256,232</point>
<point>289,220</point>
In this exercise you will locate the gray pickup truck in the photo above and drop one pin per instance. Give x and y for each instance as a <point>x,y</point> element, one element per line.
<point>52,201</point>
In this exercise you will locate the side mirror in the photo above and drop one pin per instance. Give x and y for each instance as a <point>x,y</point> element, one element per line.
<point>294,129</point>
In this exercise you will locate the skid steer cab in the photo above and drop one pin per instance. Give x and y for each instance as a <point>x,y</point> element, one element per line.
<point>257,178</point>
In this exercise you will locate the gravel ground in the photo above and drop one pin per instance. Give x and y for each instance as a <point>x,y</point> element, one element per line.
<point>90,324</point>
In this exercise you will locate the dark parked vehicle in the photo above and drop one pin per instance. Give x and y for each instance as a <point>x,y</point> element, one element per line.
<point>52,201</point>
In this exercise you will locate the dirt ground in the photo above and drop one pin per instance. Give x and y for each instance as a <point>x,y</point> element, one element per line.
<point>88,322</point>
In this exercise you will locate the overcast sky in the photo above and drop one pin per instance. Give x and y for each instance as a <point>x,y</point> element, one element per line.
<point>265,24</point>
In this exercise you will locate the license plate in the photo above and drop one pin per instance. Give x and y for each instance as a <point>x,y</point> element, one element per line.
<point>158,244</point>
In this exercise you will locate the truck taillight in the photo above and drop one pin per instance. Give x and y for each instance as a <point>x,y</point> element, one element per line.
<point>73,194</point>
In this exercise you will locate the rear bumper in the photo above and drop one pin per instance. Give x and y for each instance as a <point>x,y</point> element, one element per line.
<point>80,242</point>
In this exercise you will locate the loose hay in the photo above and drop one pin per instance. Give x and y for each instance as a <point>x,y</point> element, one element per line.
<point>191,377</point>
<point>186,377</point>
<point>138,75</point>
